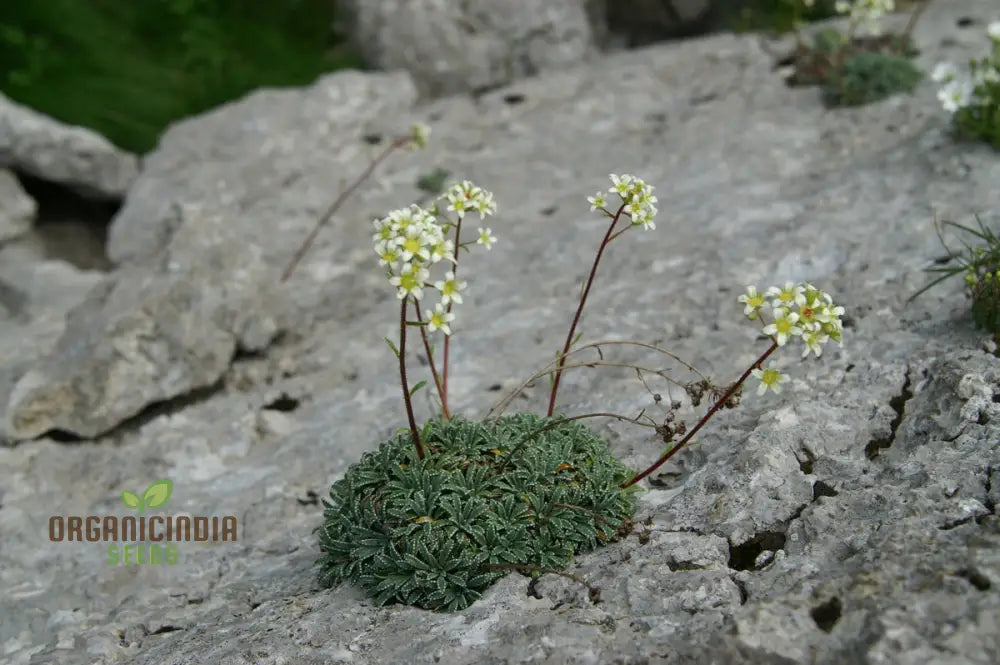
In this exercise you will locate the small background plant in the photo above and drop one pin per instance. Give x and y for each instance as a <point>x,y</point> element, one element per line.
<point>853,68</point>
<point>974,99</point>
<point>980,267</point>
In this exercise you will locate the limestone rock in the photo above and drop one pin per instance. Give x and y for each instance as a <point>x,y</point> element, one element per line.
<point>258,160</point>
<point>451,47</point>
<point>17,208</point>
<point>142,337</point>
<point>35,296</point>
<point>851,519</point>
<point>73,156</point>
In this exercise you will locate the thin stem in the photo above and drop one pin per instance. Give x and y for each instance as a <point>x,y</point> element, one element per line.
<point>912,23</point>
<point>447,339</point>
<point>434,373</point>
<point>335,206</point>
<point>704,419</point>
<point>500,406</point>
<point>402,377</point>
<point>579,310</point>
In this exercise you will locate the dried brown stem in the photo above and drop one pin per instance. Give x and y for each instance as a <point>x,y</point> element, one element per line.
<point>549,368</point>
<point>335,206</point>
<point>704,419</point>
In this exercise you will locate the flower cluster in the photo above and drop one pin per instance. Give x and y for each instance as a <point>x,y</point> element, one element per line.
<point>797,311</point>
<point>980,90</point>
<point>866,12</point>
<point>636,196</point>
<point>411,240</point>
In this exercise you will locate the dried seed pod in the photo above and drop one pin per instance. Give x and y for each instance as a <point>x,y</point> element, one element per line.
<point>696,390</point>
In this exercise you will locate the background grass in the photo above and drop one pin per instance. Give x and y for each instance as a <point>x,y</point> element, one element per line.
<point>127,68</point>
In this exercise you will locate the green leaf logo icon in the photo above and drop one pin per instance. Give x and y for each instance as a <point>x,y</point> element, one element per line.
<point>156,495</point>
<point>130,499</point>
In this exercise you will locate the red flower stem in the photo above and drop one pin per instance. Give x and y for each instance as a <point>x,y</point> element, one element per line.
<point>311,238</point>
<point>402,377</point>
<point>447,339</point>
<point>434,372</point>
<point>704,419</point>
<point>579,311</point>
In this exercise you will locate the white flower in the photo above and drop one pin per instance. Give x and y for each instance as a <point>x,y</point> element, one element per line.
<point>868,12</point>
<point>486,238</point>
<point>993,30</point>
<point>810,312</point>
<point>442,250</point>
<point>769,378</point>
<point>621,184</point>
<point>414,242</point>
<point>753,301</point>
<point>467,196</point>
<point>814,340</point>
<point>644,218</point>
<point>410,281</point>
<point>439,318</point>
<point>450,288</point>
<point>388,254</point>
<point>384,230</point>
<point>783,326</point>
<point>987,75</point>
<point>944,72</point>
<point>790,294</point>
<point>484,205</point>
<point>955,95</point>
<point>597,201</point>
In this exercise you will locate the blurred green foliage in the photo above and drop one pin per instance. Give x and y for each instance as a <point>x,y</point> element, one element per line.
<point>870,77</point>
<point>127,68</point>
<point>775,15</point>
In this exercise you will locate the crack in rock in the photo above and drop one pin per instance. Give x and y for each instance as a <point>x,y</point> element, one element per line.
<point>898,404</point>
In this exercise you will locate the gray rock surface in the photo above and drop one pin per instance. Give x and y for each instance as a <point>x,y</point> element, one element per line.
<point>74,156</point>
<point>17,208</point>
<point>146,336</point>
<point>35,296</point>
<point>450,47</point>
<point>853,519</point>
<point>251,154</point>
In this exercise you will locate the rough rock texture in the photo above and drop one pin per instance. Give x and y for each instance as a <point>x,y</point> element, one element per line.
<point>35,296</point>
<point>145,336</point>
<point>79,158</point>
<point>451,47</point>
<point>853,519</point>
<point>169,323</point>
<point>274,156</point>
<point>17,208</point>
